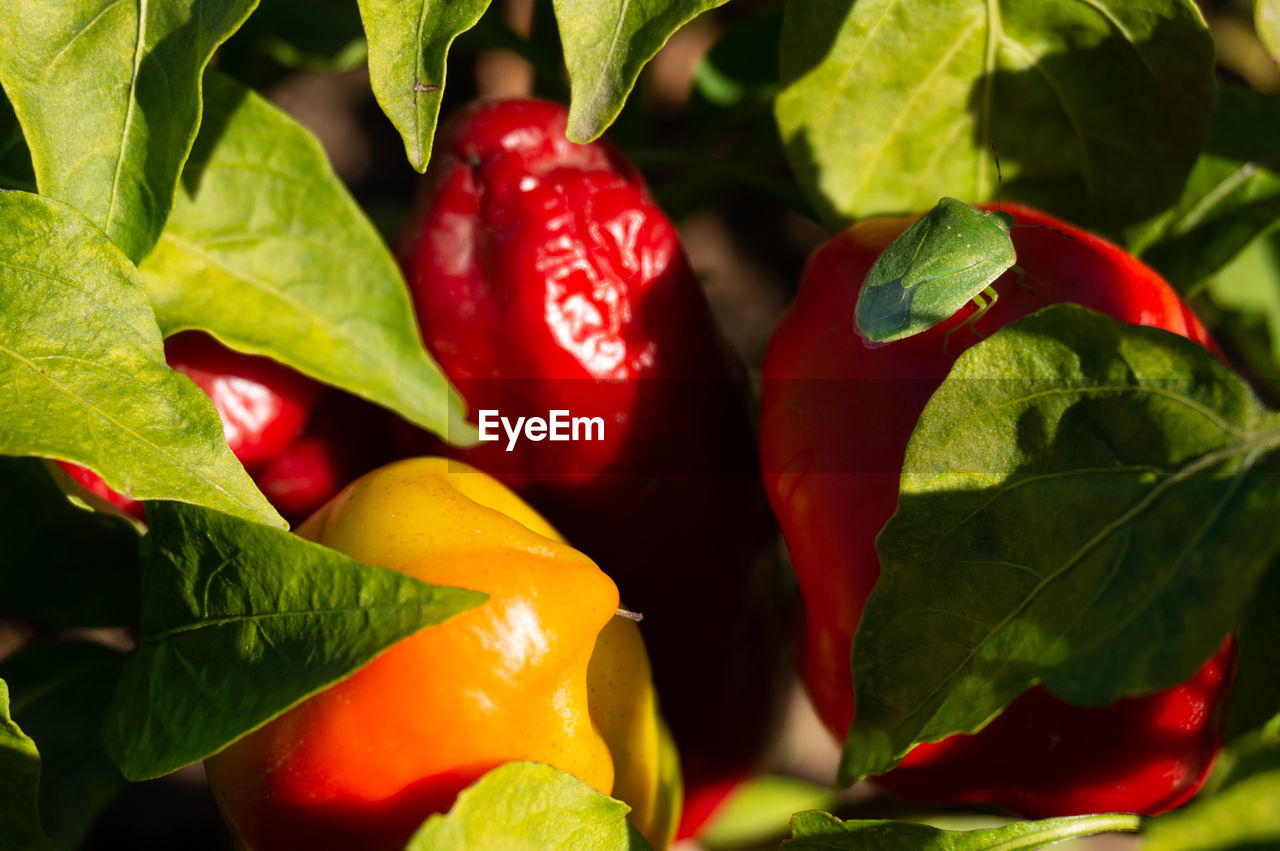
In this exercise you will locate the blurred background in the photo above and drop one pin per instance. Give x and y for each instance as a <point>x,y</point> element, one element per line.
<point>700,128</point>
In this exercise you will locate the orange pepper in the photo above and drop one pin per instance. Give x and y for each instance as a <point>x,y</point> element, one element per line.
<point>362,764</point>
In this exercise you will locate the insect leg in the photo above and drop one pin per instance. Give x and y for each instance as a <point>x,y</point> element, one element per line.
<point>1022,275</point>
<point>983,306</point>
<point>983,300</point>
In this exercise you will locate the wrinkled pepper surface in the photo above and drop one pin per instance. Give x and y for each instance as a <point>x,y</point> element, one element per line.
<point>544,670</point>
<point>837,415</point>
<point>545,278</point>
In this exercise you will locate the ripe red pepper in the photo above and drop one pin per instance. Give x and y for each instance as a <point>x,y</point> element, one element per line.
<point>546,278</point>
<point>1042,757</point>
<point>344,438</point>
<point>836,419</point>
<point>262,404</point>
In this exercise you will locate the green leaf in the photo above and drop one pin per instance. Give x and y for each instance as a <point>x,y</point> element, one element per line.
<point>408,44</point>
<point>61,692</point>
<point>268,251</point>
<point>1231,197</point>
<point>606,44</point>
<point>1242,304</point>
<point>62,564</point>
<point>732,75</point>
<point>823,832</point>
<point>1255,699</point>
<point>1098,109</point>
<point>15,159</point>
<point>19,785</point>
<point>1084,504</point>
<point>1266,18</point>
<point>527,805</point>
<point>1242,815</point>
<point>241,622</point>
<point>108,95</point>
<point>83,368</point>
<point>762,809</point>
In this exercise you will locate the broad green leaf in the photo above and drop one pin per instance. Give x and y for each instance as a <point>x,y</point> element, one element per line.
<point>108,94</point>
<point>817,831</point>
<point>268,251</point>
<point>761,809</point>
<point>1266,17</point>
<point>606,44</point>
<point>19,785</point>
<point>1242,815</point>
<point>1085,504</point>
<point>408,44</point>
<point>527,805</point>
<point>1097,109</point>
<point>15,159</point>
<point>241,622</point>
<point>83,368</point>
<point>60,697</point>
<point>62,564</point>
<point>1231,197</point>
<point>1255,699</point>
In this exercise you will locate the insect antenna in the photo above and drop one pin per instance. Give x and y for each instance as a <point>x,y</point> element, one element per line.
<point>1047,227</point>
<point>995,155</point>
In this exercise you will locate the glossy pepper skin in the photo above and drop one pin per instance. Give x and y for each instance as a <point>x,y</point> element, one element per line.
<point>263,405</point>
<point>836,419</point>
<point>525,676</point>
<point>545,277</point>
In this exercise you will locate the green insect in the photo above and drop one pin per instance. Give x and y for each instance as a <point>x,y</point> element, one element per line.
<point>948,258</point>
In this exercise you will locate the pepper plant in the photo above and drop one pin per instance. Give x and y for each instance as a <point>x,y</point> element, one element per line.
<point>149,187</point>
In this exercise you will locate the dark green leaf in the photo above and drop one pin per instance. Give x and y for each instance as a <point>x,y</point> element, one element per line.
<point>1232,195</point>
<point>268,251</point>
<point>108,95</point>
<point>62,564</point>
<point>241,622</point>
<point>527,805</point>
<point>731,74</point>
<point>822,832</point>
<point>1242,815</point>
<point>1084,503</point>
<point>320,35</point>
<point>15,159</point>
<point>606,43</point>
<point>19,785</point>
<point>61,691</point>
<point>1098,109</point>
<point>1255,701</point>
<point>408,44</point>
<point>1266,17</point>
<point>83,368</point>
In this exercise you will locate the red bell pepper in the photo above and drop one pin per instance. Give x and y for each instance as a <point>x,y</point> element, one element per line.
<point>837,415</point>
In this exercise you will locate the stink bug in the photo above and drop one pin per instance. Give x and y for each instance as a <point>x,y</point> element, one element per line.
<point>946,259</point>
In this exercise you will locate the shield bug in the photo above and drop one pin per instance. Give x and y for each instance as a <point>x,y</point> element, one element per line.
<point>948,258</point>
